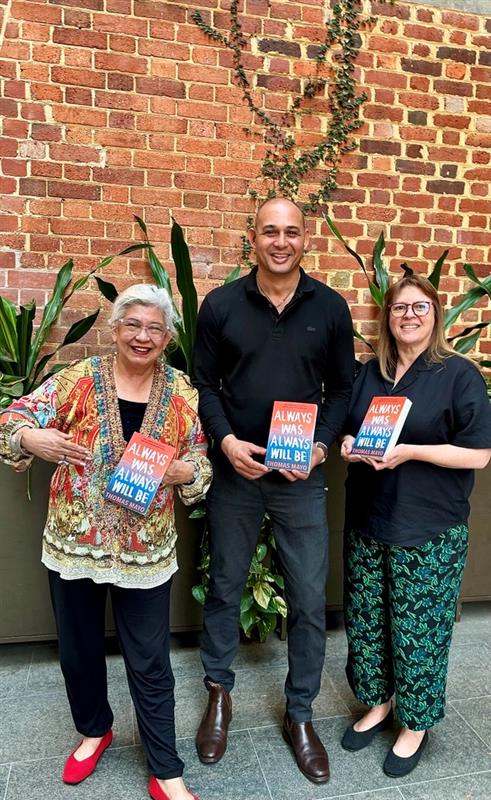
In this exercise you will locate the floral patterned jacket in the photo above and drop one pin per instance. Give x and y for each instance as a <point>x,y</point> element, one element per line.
<point>85,535</point>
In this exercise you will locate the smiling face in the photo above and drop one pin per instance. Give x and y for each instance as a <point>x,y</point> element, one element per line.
<point>411,331</point>
<point>279,238</point>
<point>140,346</point>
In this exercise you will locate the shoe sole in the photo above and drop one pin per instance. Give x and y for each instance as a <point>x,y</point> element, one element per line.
<point>311,778</point>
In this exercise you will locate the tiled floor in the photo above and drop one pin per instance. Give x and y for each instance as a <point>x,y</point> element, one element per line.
<point>36,731</point>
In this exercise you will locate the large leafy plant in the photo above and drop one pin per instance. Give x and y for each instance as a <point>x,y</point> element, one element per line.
<point>24,364</point>
<point>464,340</point>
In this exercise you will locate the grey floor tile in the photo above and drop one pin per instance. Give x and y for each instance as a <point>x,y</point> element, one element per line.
<point>237,776</point>
<point>39,726</point>
<point>467,787</point>
<point>14,668</point>
<point>469,674</point>
<point>452,750</point>
<point>120,775</point>
<point>475,624</point>
<point>258,699</point>
<point>477,714</point>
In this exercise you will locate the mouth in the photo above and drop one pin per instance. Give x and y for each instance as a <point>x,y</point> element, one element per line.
<point>280,258</point>
<point>409,327</point>
<point>140,351</point>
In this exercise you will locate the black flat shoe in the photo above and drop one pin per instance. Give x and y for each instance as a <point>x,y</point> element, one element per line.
<point>397,767</point>
<point>357,740</point>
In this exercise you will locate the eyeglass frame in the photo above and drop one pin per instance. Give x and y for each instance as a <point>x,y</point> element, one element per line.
<point>140,326</point>
<point>410,306</point>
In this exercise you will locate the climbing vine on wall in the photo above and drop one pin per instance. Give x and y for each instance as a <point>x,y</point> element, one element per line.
<point>286,165</point>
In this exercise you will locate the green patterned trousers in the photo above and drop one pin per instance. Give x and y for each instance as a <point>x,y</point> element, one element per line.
<point>399,614</point>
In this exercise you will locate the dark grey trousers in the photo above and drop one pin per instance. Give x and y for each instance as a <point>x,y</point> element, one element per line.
<point>235,508</point>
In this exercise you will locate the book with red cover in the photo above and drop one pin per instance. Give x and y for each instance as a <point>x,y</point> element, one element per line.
<point>291,436</point>
<point>381,426</point>
<point>139,473</point>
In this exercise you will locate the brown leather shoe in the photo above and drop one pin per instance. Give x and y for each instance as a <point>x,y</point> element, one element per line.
<point>211,739</point>
<point>308,749</point>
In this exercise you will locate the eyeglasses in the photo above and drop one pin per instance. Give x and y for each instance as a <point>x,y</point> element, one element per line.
<point>134,327</point>
<point>419,309</point>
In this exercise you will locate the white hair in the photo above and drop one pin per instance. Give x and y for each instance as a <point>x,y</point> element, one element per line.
<point>145,294</point>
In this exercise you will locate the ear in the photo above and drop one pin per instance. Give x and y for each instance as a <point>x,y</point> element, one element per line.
<point>251,235</point>
<point>306,241</point>
<point>113,333</point>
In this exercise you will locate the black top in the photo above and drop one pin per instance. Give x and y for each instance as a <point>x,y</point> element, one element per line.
<point>417,501</point>
<point>131,416</point>
<point>247,356</point>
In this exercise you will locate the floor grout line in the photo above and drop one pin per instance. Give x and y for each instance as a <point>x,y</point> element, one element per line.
<point>260,765</point>
<point>486,744</point>
<point>7,783</point>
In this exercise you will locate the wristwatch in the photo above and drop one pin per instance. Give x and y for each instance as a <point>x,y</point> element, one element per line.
<point>324,449</point>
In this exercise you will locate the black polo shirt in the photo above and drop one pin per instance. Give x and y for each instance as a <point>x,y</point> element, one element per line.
<point>417,501</point>
<point>247,356</point>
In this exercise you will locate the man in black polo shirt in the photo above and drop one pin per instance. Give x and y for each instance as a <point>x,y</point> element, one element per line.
<point>276,334</point>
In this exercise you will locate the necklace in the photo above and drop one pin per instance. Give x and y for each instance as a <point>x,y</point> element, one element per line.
<point>278,303</point>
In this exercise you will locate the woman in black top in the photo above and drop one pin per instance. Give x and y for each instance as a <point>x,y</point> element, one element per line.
<point>406,522</point>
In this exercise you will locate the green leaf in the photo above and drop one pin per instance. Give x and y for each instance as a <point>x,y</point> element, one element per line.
<point>279,580</point>
<point>261,551</point>
<point>8,328</point>
<point>360,336</point>
<point>246,601</point>
<point>279,605</point>
<point>24,324</point>
<point>187,289</point>
<point>434,277</point>
<point>198,513</point>
<point>141,224</point>
<point>198,593</point>
<point>468,301</point>
<point>262,592</point>
<point>232,276</point>
<point>467,343</point>
<point>338,235</point>
<point>485,284</point>
<point>247,620</point>
<point>160,274</point>
<point>51,312</point>
<point>265,626</point>
<point>478,325</point>
<point>381,274</point>
<point>108,290</point>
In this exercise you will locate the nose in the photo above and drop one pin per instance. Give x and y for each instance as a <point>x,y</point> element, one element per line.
<point>280,239</point>
<point>143,333</point>
<point>409,311</point>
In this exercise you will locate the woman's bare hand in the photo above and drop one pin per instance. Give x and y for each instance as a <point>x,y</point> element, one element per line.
<point>56,446</point>
<point>179,472</point>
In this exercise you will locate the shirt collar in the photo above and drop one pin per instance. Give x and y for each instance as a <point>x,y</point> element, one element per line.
<point>305,285</point>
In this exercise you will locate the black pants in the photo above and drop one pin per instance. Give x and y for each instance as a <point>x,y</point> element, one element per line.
<point>142,626</point>
<point>235,508</point>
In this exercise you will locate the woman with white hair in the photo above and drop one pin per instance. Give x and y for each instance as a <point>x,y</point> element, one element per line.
<point>82,418</point>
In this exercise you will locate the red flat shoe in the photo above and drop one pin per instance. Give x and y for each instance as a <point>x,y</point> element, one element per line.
<point>76,771</point>
<point>157,793</point>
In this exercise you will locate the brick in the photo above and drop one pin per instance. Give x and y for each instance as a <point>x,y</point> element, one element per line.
<point>32,187</point>
<point>83,191</point>
<point>457,54</point>
<point>279,46</point>
<point>80,38</point>
<point>414,167</point>
<point>78,77</point>
<point>160,86</point>
<point>167,11</point>
<point>446,187</point>
<point>380,146</point>
<point>76,96</point>
<point>421,67</point>
<point>417,117</point>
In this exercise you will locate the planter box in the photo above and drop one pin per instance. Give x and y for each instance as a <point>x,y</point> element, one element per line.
<point>26,608</point>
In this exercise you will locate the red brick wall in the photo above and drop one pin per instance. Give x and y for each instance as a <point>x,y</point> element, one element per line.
<point>112,108</point>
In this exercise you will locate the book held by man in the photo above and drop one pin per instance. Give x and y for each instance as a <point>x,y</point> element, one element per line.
<point>139,473</point>
<point>291,436</point>
<point>381,426</point>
